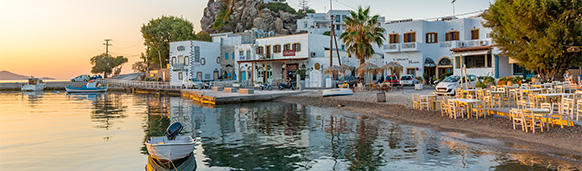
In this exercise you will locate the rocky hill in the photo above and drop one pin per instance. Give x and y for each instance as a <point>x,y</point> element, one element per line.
<point>240,15</point>
<point>7,75</point>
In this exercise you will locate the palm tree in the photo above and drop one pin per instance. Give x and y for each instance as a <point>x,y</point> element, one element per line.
<point>361,33</point>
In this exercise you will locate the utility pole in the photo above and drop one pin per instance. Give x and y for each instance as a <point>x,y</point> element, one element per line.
<point>107,44</point>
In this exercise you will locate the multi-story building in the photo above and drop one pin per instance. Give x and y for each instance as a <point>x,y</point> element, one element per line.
<point>279,58</point>
<point>434,48</point>
<point>193,59</point>
<point>319,23</point>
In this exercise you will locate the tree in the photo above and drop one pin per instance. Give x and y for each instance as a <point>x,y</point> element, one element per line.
<point>362,31</point>
<point>106,64</point>
<point>537,33</point>
<point>203,36</point>
<point>158,33</point>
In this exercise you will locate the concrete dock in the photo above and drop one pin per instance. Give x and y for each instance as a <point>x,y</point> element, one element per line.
<point>221,97</point>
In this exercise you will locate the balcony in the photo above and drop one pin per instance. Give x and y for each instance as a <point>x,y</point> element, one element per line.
<point>479,42</point>
<point>178,67</point>
<point>449,44</point>
<point>410,46</point>
<point>395,47</point>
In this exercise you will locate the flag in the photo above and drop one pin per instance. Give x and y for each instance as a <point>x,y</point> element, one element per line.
<point>453,1</point>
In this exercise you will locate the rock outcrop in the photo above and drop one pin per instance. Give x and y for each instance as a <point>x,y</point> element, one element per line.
<point>240,15</point>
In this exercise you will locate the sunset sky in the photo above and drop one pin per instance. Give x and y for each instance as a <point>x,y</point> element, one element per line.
<point>56,38</point>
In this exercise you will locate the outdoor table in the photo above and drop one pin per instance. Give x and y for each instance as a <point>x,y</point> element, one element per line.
<point>552,97</point>
<point>467,103</point>
<point>539,112</point>
<point>531,90</point>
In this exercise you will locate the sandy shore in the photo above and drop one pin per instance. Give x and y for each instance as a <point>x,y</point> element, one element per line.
<point>565,142</point>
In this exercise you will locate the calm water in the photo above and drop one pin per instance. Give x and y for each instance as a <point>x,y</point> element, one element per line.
<point>59,131</point>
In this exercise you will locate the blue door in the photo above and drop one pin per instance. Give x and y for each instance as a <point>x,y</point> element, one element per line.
<point>243,76</point>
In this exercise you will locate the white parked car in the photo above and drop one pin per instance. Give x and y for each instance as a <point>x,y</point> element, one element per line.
<point>80,78</point>
<point>194,83</point>
<point>408,80</point>
<point>448,85</point>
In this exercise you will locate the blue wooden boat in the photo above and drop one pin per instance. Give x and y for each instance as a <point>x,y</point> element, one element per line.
<point>90,87</point>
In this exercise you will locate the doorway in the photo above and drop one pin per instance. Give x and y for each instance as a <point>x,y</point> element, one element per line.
<point>268,51</point>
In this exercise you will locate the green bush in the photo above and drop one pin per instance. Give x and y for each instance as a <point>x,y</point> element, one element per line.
<point>278,6</point>
<point>503,79</point>
<point>482,85</point>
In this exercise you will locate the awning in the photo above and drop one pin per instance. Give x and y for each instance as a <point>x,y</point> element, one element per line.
<point>429,63</point>
<point>513,61</point>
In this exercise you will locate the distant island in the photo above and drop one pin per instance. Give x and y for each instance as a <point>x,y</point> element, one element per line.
<point>7,75</point>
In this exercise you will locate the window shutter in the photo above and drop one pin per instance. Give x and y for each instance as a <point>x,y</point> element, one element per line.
<point>427,40</point>
<point>436,37</point>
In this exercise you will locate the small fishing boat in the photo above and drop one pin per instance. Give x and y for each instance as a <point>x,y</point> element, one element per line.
<point>91,86</point>
<point>172,146</point>
<point>337,92</point>
<point>34,84</point>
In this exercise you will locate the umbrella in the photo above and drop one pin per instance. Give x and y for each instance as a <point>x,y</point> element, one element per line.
<point>368,68</point>
<point>393,66</point>
<point>346,67</point>
<point>333,69</point>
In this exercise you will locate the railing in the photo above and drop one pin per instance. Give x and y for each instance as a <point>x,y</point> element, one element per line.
<point>391,47</point>
<point>410,46</point>
<point>448,44</point>
<point>179,66</point>
<point>148,85</point>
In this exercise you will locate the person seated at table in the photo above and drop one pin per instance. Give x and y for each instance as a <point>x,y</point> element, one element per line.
<point>568,77</point>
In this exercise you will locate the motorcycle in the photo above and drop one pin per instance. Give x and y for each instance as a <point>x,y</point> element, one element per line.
<point>287,85</point>
<point>266,86</point>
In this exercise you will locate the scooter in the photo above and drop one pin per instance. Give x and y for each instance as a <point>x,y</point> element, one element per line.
<point>288,85</point>
<point>266,86</point>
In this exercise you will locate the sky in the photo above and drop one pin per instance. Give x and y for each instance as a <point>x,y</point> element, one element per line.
<point>57,38</point>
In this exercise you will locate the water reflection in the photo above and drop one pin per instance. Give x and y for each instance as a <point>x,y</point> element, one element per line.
<point>33,97</point>
<point>107,110</point>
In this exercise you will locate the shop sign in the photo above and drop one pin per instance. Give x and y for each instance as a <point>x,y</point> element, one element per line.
<point>288,53</point>
<point>292,66</point>
<point>413,62</point>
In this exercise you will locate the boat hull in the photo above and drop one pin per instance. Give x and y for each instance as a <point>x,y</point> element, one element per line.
<point>338,92</point>
<point>163,149</point>
<point>30,87</point>
<point>85,90</point>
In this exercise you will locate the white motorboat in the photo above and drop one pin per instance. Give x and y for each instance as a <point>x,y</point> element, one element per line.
<point>34,84</point>
<point>337,92</point>
<point>170,147</point>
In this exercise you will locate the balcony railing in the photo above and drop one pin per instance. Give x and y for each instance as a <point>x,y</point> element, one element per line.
<point>178,67</point>
<point>394,47</point>
<point>410,46</point>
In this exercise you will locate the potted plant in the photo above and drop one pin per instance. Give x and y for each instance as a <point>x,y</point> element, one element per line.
<point>502,81</point>
<point>420,84</point>
<point>489,81</point>
<point>509,81</point>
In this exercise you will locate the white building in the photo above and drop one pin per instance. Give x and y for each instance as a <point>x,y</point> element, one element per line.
<point>319,23</point>
<point>275,59</point>
<point>437,47</point>
<point>193,59</point>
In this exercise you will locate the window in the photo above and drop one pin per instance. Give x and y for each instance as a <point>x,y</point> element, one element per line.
<point>338,27</point>
<point>475,61</point>
<point>199,75</point>
<point>411,71</point>
<point>173,60</point>
<point>186,61</point>
<point>431,37</point>
<point>217,60</point>
<point>225,56</point>
<point>393,38</point>
<point>259,50</point>
<point>287,47</point>
<point>338,18</point>
<point>452,35</point>
<point>305,24</point>
<point>207,76</point>
<point>410,37</point>
<point>474,34</point>
<point>248,54</point>
<point>241,54</point>
<point>196,53</point>
<point>297,47</point>
<point>202,61</point>
<point>180,75</point>
<point>277,49</point>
